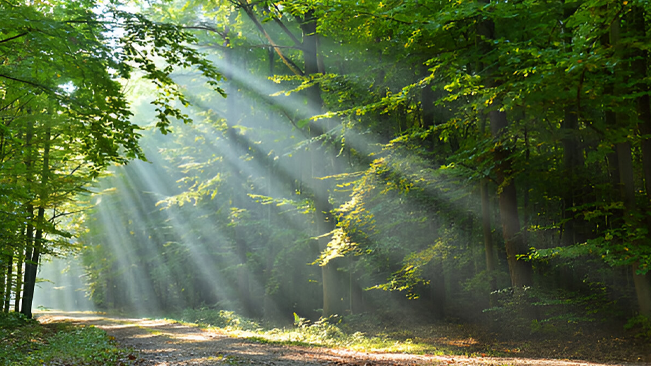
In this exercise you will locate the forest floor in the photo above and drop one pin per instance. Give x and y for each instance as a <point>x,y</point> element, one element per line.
<point>167,343</point>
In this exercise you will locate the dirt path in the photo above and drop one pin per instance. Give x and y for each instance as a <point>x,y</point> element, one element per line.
<point>165,343</point>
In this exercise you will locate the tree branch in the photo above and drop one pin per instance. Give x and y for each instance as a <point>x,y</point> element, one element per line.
<point>286,30</point>
<point>224,34</point>
<point>14,37</point>
<point>289,63</point>
<point>28,83</point>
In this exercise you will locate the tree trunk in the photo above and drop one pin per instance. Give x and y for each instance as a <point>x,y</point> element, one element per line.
<point>572,160</point>
<point>31,264</point>
<point>438,290</point>
<point>333,293</point>
<point>641,281</point>
<point>520,271</point>
<point>9,276</point>
<point>19,276</point>
<point>488,236</point>
<point>29,230</point>
<point>31,267</point>
<point>4,264</point>
<point>627,181</point>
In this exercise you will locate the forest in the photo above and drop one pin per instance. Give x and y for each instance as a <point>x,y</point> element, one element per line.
<point>468,161</point>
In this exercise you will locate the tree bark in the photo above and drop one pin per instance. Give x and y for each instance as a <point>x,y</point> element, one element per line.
<point>9,282</point>
<point>248,9</point>
<point>19,277</point>
<point>521,271</point>
<point>4,264</point>
<point>641,281</point>
<point>487,233</point>
<point>627,181</point>
<point>572,160</point>
<point>333,283</point>
<point>29,229</point>
<point>31,265</point>
<point>638,26</point>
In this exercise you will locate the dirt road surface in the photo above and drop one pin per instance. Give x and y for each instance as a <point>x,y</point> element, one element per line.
<point>165,343</point>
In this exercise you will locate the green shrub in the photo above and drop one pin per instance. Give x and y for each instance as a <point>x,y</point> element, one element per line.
<point>32,344</point>
<point>14,320</point>
<point>218,318</point>
<point>641,325</point>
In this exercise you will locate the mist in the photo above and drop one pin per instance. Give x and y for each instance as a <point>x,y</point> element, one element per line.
<point>339,178</point>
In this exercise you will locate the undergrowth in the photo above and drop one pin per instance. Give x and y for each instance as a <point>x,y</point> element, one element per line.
<point>332,332</point>
<point>25,342</point>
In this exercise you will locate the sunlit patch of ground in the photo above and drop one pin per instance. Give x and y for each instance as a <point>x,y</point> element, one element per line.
<point>116,326</point>
<point>190,337</point>
<point>160,350</point>
<point>168,343</point>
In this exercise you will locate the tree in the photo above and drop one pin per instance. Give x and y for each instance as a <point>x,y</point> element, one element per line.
<point>60,75</point>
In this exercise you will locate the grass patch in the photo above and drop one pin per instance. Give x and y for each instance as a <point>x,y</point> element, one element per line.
<point>25,342</point>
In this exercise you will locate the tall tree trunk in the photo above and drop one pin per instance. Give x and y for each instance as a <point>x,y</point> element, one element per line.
<point>487,233</point>
<point>4,264</point>
<point>31,264</point>
<point>333,291</point>
<point>232,115</point>
<point>641,281</point>
<point>19,277</point>
<point>572,155</point>
<point>640,66</point>
<point>438,290</point>
<point>572,161</point>
<point>520,271</point>
<point>627,182</point>
<point>9,276</point>
<point>29,229</point>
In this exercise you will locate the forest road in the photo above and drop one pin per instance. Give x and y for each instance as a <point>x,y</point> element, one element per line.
<point>165,343</point>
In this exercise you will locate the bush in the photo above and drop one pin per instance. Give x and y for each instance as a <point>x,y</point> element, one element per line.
<point>218,318</point>
<point>13,320</point>
<point>641,325</point>
<point>29,343</point>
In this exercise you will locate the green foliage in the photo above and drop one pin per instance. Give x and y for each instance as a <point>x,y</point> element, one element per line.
<point>12,320</point>
<point>66,118</point>
<point>35,344</point>
<point>370,165</point>
<point>219,319</point>
<point>641,325</point>
<point>554,312</point>
<point>328,332</point>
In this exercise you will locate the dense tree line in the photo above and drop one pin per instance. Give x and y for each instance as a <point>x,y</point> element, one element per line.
<point>471,155</point>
